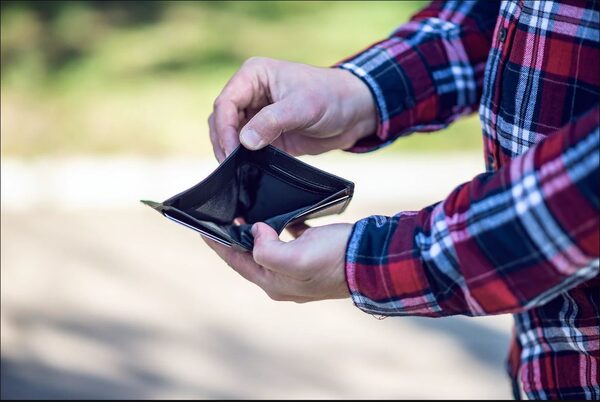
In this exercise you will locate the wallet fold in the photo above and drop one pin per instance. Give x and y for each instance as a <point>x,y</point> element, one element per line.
<point>267,185</point>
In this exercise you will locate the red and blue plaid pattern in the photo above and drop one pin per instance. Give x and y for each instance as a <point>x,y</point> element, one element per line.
<point>523,237</point>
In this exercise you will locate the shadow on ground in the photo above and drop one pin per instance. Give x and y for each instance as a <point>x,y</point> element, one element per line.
<point>487,345</point>
<point>133,377</point>
<point>33,378</point>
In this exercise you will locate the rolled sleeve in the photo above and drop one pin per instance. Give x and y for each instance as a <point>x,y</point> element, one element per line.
<point>428,72</point>
<point>504,242</point>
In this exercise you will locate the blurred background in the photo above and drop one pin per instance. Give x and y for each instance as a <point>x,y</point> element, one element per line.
<point>105,103</point>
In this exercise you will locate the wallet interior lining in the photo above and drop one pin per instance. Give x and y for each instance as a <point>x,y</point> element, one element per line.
<point>281,199</point>
<point>239,197</point>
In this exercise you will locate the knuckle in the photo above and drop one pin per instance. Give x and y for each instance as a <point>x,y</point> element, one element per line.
<point>253,61</point>
<point>219,100</point>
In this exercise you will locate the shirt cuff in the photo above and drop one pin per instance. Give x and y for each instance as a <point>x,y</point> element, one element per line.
<point>390,85</point>
<point>384,270</point>
<point>372,142</point>
<point>381,283</point>
<point>352,249</point>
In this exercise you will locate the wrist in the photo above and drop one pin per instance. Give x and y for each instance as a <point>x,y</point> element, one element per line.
<point>360,106</point>
<point>342,291</point>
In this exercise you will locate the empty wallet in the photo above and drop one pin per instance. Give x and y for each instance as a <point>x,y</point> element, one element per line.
<point>267,186</point>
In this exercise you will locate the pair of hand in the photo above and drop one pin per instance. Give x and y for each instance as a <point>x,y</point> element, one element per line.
<point>303,110</point>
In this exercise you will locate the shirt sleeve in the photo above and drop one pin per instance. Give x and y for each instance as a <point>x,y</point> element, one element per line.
<point>503,242</point>
<point>429,71</point>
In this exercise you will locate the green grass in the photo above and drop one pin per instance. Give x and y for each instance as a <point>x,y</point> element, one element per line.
<point>140,78</point>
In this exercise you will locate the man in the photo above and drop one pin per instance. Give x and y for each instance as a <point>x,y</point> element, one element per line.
<point>520,238</point>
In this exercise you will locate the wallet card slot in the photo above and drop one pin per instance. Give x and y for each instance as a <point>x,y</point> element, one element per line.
<point>279,224</point>
<point>319,186</point>
<point>320,207</point>
<point>290,164</point>
<point>299,185</point>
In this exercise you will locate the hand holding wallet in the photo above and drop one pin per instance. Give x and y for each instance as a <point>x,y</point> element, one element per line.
<point>267,185</point>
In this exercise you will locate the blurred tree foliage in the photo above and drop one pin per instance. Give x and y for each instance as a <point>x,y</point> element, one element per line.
<point>139,77</point>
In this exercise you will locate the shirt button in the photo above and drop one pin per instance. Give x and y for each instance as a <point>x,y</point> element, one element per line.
<point>502,35</point>
<point>491,161</point>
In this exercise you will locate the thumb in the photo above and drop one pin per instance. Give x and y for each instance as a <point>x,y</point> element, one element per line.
<point>271,121</point>
<point>268,250</point>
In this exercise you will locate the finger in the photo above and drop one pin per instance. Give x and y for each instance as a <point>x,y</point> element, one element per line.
<point>237,94</point>
<point>217,150</point>
<point>276,286</point>
<point>273,120</point>
<point>297,229</point>
<point>271,252</point>
<point>241,262</point>
<point>242,117</point>
<point>301,143</point>
<point>226,125</point>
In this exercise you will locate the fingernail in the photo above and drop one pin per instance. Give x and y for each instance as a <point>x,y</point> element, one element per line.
<point>251,139</point>
<point>254,229</point>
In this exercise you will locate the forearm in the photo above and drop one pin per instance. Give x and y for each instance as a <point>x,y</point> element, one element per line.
<point>504,242</point>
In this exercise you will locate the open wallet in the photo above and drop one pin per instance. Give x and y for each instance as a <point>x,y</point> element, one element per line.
<point>267,186</point>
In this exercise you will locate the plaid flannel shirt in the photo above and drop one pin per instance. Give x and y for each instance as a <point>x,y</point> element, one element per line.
<point>523,237</point>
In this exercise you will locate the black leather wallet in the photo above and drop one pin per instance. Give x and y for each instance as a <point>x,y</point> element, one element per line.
<point>259,186</point>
